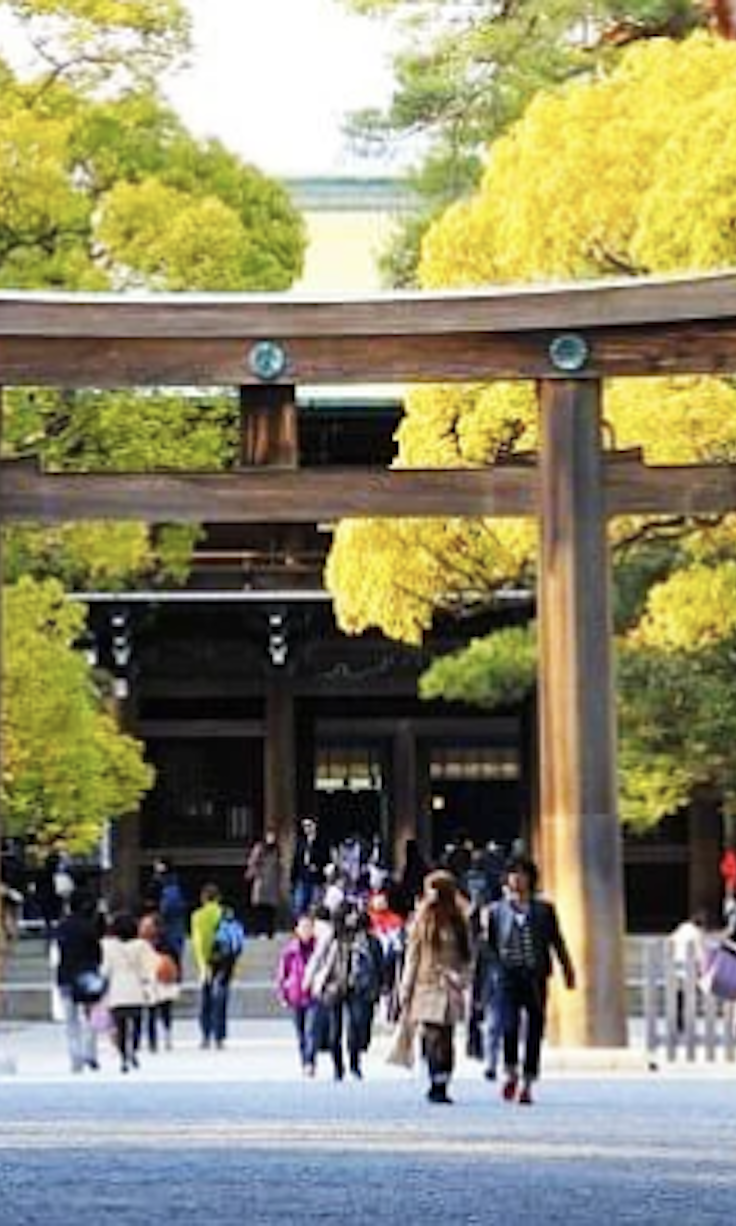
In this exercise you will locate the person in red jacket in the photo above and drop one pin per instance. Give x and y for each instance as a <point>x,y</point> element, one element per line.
<point>727,869</point>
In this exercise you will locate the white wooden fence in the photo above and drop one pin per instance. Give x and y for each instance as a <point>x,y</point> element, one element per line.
<point>680,1019</point>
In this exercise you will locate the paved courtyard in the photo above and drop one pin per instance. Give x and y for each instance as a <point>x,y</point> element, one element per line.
<point>238,1137</point>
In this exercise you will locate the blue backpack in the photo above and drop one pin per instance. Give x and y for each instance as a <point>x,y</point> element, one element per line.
<point>229,939</point>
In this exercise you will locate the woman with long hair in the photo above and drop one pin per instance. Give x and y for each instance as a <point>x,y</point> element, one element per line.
<point>432,992</point>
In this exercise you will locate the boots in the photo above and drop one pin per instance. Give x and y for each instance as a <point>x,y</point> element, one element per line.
<point>437,1093</point>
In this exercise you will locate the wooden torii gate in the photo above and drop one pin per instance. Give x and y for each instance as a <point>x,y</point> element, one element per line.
<point>568,339</point>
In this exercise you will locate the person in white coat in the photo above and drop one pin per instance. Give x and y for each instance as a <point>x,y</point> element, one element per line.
<point>129,965</point>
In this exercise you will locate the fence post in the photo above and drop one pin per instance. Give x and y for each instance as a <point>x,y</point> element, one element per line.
<point>651,970</point>
<point>710,1026</point>
<point>670,1001</point>
<point>689,1003</point>
<point>729,1046</point>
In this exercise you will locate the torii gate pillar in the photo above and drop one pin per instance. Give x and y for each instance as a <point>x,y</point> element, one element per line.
<point>580,837</point>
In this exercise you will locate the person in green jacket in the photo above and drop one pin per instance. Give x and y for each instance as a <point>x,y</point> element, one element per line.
<point>214,975</point>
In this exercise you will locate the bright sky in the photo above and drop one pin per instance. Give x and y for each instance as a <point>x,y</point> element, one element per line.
<point>275,79</point>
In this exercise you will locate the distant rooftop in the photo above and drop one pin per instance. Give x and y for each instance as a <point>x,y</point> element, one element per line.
<point>351,194</point>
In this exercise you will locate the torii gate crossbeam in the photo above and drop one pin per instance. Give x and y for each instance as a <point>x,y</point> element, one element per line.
<point>569,338</point>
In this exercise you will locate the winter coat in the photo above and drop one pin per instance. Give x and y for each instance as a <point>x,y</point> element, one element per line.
<point>433,980</point>
<point>79,949</point>
<point>264,872</point>
<point>545,931</point>
<point>326,975</point>
<point>167,982</point>
<point>172,908</point>
<point>130,970</point>
<point>204,926</point>
<point>291,973</point>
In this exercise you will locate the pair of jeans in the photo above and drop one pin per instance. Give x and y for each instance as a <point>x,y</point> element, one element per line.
<point>213,1004</point>
<point>523,992</point>
<point>360,1022</point>
<point>328,1025</point>
<point>302,897</point>
<point>305,1017</point>
<point>80,1037</point>
<point>493,1031</point>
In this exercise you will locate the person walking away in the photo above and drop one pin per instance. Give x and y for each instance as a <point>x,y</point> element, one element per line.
<point>79,959</point>
<point>487,1005</point>
<point>129,966</point>
<point>217,942</point>
<point>412,877</point>
<point>159,1012</point>
<point>264,874</point>
<point>172,907</point>
<point>365,973</point>
<point>690,934</point>
<point>326,978</point>
<point>523,931</point>
<point>293,992</point>
<point>434,976</point>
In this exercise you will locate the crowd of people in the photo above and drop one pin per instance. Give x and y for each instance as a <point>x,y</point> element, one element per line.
<point>468,938</point>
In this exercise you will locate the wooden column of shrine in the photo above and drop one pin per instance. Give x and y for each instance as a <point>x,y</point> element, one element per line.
<point>405,789</point>
<point>580,834</point>
<point>269,439</point>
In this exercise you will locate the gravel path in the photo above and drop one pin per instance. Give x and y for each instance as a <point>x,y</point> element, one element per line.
<point>237,1139</point>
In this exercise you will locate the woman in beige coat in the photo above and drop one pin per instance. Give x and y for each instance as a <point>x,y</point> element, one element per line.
<point>435,976</point>
<point>129,965</point>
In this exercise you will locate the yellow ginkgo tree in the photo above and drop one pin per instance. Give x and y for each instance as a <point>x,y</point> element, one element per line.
<point>633,173</point>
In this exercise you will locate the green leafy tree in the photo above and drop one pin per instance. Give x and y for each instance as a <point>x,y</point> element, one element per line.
<point>66,767</point>
<point>103,187</point>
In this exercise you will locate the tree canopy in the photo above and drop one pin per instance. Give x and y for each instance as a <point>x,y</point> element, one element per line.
<point>67,769</point>
<point>465,70</point>
<point>104,45</point>
<point>584,184</point>
<point>103,187</point>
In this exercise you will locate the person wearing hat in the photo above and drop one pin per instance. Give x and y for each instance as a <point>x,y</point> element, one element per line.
<point>435,975</point>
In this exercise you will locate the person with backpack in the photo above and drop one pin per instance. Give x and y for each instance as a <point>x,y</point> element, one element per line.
<point>365,971</point>
<point>217,942</point>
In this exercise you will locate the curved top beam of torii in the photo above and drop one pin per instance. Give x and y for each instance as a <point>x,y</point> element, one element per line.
<point>623,302</point>
<point>629,327</point>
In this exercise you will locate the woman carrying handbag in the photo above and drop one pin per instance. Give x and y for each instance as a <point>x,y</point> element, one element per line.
<point>435,976</point>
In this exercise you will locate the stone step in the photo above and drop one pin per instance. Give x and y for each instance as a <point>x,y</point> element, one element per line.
<point>34,1002</point>
<point>26,992</point>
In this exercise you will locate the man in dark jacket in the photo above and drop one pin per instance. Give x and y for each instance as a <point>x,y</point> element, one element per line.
<point>307,867</point>
<point>523,930</point>
<point>78,977</point>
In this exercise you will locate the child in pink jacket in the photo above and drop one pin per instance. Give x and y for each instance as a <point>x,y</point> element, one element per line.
<point>294,995</point>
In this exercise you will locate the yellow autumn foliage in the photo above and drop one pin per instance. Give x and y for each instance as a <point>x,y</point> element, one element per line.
<point>632,173</point>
